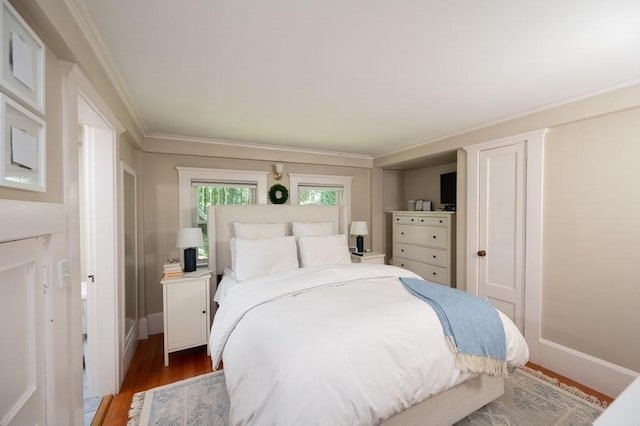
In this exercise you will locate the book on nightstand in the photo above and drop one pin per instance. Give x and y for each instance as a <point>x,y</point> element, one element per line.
<point>172,268</point>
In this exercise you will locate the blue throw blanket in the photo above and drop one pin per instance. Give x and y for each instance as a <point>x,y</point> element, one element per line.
<point>472,327</point>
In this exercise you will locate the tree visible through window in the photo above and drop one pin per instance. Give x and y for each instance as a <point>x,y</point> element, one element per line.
<point>320,196</point>
<point>207,194</point>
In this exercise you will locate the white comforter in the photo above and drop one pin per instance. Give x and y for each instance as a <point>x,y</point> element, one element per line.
<point>345,345</point>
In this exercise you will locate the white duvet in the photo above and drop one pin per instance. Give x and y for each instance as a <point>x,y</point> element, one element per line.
<point>340,345</point>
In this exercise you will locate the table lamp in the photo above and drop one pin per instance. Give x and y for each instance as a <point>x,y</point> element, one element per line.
<point>359,229</point>
<point>189,239</point>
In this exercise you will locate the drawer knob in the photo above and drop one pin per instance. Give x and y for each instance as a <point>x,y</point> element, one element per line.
<point>411,219</point>
<point>402,264</point>
<point>482,253</point>
<point>402,250</point>
<point>402,233</point>
<point>434,256</point>
<point>434,237</point>
<point>434,273</point>
<point>204,312</point>
<point>421,220</point>
<point>441,221</point>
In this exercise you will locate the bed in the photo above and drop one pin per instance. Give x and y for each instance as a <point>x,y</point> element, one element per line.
<point>331,344</point>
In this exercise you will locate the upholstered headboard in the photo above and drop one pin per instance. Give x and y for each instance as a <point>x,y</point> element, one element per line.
<point>220,224</point>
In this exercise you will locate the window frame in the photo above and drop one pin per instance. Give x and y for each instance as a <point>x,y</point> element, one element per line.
<point>186,176</point>
<point>296,180</point>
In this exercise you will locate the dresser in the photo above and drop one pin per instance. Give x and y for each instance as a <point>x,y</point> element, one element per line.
<point>186,312</point>
<point>424,242</point>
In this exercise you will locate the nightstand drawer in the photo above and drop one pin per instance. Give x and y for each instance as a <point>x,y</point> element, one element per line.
<point>431,273</point>
<point>429,236</point>
<point>438,257</point>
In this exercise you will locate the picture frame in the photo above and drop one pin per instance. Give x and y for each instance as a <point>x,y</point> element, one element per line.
<point>22,147</point>
<point>22,56</point>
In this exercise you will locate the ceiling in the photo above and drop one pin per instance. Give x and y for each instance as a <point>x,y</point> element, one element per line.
<point>360,76</point>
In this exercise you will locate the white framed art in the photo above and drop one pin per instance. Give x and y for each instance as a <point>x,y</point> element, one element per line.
<point>22,147</point>
<point>22,54</point>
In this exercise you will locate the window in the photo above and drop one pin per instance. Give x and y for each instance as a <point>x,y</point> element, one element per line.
<point>198,188</point>
<point>320,196</point>
<point>206,194</point>
<point>323,190</point>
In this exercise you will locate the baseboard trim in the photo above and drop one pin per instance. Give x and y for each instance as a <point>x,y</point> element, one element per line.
<point>130,344</point>
<point>598,374</point>
<point>156,323</point>
<point>143,328</point>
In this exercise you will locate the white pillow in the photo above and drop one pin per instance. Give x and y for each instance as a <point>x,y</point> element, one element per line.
<point>255,258</point>
<point>254,231</point>
<point>324,250</point>
<point>308,229</point>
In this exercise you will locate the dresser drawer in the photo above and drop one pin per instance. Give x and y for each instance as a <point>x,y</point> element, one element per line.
<point>421,220</point>
<point>429,236</point>
<point>429,255</point>
<point>431,273</point>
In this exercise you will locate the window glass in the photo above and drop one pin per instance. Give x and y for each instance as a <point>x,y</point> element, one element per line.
<point>323,190</point>
<point>212,193</point>
<point>322,196</point>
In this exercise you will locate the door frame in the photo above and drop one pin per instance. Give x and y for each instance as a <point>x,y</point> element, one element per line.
<point>534,147</point>
<point>130,340</point>
<point>77,89</point>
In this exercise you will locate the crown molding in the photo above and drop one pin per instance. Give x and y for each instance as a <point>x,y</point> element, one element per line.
<point>81,16</point>
<point>253,145</point>
<point>560,104</point>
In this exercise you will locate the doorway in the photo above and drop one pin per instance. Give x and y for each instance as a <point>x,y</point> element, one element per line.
<point>97,153</point>
<point>504,228</point>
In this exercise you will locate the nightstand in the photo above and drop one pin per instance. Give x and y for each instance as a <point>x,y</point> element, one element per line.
<point>186,312</point>
<point>368,257</point>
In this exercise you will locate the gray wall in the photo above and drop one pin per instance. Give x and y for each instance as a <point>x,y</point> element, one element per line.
<point>591,244</point>
<point>160,193</point>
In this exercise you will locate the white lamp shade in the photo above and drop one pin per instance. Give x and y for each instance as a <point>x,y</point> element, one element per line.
<point>189,237</point>
<point>359,228</point>
<point>279,168</point>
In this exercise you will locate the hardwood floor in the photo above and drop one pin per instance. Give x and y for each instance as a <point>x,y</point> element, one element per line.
<point>147,371</point>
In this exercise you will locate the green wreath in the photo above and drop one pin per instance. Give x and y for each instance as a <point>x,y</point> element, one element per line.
<point>278,194</point>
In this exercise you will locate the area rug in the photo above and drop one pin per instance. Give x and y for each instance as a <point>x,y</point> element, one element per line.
<point>530,398</point>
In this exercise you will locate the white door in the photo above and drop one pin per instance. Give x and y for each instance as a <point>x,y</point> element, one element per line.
<point>22,330</point>
<point>501,190</point>
<point>504,228</point>
<point>98,234</point>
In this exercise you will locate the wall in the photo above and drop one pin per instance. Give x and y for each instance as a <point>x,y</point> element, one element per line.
<point>160,182</point>
<point>591,232</point>
<point>424,184</point>
<point>50,19</point>
<point>393,199</point>
<point>592,237</point>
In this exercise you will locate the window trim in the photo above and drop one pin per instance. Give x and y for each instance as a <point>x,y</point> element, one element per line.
<point>186,175</point>
<point>297,180</point>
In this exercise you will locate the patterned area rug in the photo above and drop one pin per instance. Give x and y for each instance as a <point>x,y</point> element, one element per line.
<point>530,398</point>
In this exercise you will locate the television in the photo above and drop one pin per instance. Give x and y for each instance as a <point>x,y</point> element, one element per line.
<point>448,189</point>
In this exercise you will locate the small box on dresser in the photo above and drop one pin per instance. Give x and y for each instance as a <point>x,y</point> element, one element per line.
<point>424,242</point>
<point>186,311</point>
